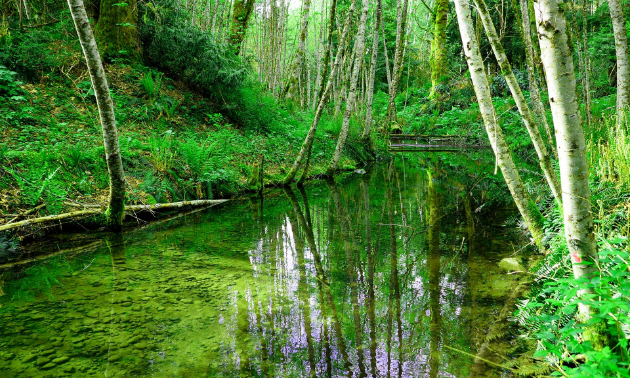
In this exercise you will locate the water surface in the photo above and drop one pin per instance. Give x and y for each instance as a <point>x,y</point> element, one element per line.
<point>374,275</point>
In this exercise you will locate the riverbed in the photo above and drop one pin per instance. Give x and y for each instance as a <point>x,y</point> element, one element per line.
<point>391,273</point>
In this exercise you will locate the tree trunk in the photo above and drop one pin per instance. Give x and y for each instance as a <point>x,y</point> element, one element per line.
<point>298,67</point>
<point>116,31</point>
<point>308,142</point>
<point>401,30</point>
<point>439,65</point>
<point>116,207</point>
<point>623,60</point>
<point>359,52</point>
<point>534,91</point>
<point>386,54</point>
<point>242,10</point>
<point>532,216</point>
<point>370,90</point>
<point>521,103</point>
<point>326,62</point>
<point>558,62</point>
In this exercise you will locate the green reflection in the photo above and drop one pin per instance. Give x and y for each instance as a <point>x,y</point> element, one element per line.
<point>364,277</point>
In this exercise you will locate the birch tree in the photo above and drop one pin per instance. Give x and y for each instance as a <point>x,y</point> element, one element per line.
<point>298,67</point>
<point>558,63</point>
<point>359,47</point>
<point>623,59</point>
<point>521,103</point>
<point>534,91</point>
<point>305,150</point>
<point>401,28</point>
<point>532,216</point>
<point>116,206</point>
<point>372,75</point>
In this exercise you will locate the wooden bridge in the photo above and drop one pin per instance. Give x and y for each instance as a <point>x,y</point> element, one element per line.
<point>417,143</point>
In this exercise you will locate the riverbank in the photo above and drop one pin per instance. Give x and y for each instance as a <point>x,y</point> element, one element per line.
<point>177,143</point>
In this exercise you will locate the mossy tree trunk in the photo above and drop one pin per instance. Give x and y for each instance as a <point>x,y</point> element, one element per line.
<point>439,65</point>
<point>116,31</point>
<point>116,207</point>
<point>242,10</point>
<point>521,102</point>
<point>532,216</point>
<point>558,62</point>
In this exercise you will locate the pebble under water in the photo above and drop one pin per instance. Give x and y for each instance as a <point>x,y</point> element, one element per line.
<point>371,276</point>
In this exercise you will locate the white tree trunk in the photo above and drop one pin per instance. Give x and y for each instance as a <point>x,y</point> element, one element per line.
<point>558,63</point>
<point>370,89</point>
<point>521,103</point>
<point>526,206</point>
<point>401,30</point>
<point>623,60</point>
<point>305,150</point>
<point>534,91</point>
<point>116,207</point>
<point>359,52</point>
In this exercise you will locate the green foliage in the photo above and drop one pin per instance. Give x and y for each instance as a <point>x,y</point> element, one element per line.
<point>152,85</point>
<point>40,184</point>
<point>562,338</point>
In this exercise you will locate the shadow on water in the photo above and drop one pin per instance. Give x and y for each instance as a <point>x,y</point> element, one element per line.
<point>369,276</point>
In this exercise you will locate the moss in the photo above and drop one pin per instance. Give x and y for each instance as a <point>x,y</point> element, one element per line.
<point>116,31</point>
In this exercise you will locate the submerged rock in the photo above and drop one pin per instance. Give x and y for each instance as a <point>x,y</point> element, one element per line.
<point>511,264</point>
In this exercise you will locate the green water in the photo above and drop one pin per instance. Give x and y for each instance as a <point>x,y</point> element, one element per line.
<point>374,275</point>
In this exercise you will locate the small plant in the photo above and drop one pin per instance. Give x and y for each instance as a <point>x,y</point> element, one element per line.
<point>152,85</point>
<point>161,153</point>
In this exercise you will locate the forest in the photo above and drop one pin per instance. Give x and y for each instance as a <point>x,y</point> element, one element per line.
<point>302,188</point>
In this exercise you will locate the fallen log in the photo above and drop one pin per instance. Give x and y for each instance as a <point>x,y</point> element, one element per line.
<point>49,218</point>
<point>100,210</point>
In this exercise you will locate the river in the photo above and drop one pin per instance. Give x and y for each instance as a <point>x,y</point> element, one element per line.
<point>392,273</point>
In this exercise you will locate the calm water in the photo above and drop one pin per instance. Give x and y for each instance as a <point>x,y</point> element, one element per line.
<point>374,275</point>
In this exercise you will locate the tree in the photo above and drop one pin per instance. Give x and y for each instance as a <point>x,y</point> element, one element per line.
<point>305,150</point>
<point>534,91</point>
<point>521,103</point>
<point>532,216</point>
<point>359,51</point>
<point>240,17</point>
<point>623,59</point>
<point>370,90</point>
<point>116,206</point>
<point>401,28</point>
<point>558,63</point>
<point>298,68</point>
<point>116,31</point>
<point>438,62</point>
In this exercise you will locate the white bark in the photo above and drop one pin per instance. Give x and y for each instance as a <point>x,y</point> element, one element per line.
<point>534,91</point>
<point>115,210</point>
<point>623,60</point>
<point>527,208</point>
<point>558,63</point>
<point>370,89</point>
<point>401,30</point>
<point>359,52</point>
<point>521,103</point>
<point>305,150</point>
